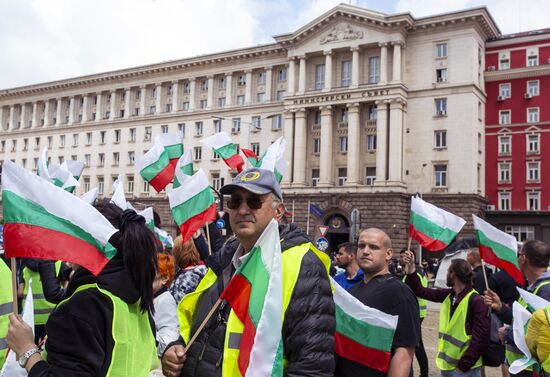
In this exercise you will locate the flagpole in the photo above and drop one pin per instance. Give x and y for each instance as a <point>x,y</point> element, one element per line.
<point>307,226</point>
<point>201,327</point>
<point>293,210</point>
<point>409,245</point>
<point>14,284</point>
<point>208,239</point>
<point>484,274</point>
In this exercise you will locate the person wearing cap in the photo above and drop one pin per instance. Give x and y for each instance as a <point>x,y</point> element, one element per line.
<point>308,318</point>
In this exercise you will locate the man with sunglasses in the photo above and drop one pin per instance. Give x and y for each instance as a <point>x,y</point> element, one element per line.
<point>308,319</point>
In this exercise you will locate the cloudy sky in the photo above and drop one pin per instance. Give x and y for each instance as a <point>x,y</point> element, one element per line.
<point>46,40</point>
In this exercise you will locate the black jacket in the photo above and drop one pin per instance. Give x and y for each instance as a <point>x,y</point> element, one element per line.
<point>80,341</point>
<point>308,328</point>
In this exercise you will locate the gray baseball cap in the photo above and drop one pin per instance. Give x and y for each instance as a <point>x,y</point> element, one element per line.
<point>256,181</point>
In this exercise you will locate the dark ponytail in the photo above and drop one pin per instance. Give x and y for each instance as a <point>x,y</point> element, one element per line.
<point>137,248</point>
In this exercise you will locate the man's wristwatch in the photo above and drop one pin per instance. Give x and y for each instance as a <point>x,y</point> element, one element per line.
<point>26,356</point>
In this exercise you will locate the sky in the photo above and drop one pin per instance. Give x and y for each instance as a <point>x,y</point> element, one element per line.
<point>47,40</point>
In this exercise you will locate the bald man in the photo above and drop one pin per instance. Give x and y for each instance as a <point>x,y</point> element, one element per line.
<point>478,281</point>
<point>382,291</point>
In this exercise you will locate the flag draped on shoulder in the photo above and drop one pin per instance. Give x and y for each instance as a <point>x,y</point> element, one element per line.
<point>255,295</point>
<point>363,334</point>
<point>251,157</point>
<point>192,204</point>
<point>432,227</point>
<point>44,221</point>
<point>184,168</point>
<point>221,144</point>
<point>156,167</point>
<point>498,248</point>
<point>173,146</point>
<point>274,159</point>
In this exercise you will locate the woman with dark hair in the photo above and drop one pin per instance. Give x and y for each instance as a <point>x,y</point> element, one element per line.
<point>103,328</point>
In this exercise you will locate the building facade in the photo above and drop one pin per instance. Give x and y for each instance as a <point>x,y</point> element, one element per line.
<point>373,107</point>
<point>517,125</point>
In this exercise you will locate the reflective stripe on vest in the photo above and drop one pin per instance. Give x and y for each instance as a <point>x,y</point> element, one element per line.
<point>422,303</point>
<point>453,339</point>
<point>513,353</point>
<point>6,304</point>
<point>134,350</point>
<point>42,307</point>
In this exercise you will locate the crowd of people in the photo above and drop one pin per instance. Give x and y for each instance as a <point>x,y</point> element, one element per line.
<point>140,312</point>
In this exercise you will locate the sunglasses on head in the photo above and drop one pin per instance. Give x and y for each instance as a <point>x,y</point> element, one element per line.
<point>253,202</point>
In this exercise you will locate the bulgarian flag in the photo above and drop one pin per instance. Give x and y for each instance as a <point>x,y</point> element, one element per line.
<point>256,296</point>
<point>184,168</point>
<point>192,204</point>
<point>274,159</point>
<point>149,217</point>
<point>156,167</point>
<point>54,173</point>
<point>75,168</point>
<point>164,238</point>
<point>90,196</point>
<point>118,197</point>
<point>173,146</point>
<point>363,334</point>
<point>498,248</point>
<point>432,227</point>
<point>45,221</point>
<point>221,144</point>
<point>251,157</point>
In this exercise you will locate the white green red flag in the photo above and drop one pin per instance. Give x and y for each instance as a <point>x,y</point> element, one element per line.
<point>256,296</point>
<point>221,144</point>
<point>118,197</point>
<point>156,167</point>
<point>172,143</point>
<point>164,238</point>
<point>184,168</point>
<point>149,217</point>
<point>432,227</point>
<point>45,221</point>
<point>75,168</point>
<point>498,248</point>
<point>54,173</point>
<point>363,334</point>
<point>274,159</point>
<point>192,204</point>
<point>251,157</point>
<point>90,196</point>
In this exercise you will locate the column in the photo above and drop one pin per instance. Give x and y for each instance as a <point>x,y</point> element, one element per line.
<point>248,90</point>
<point>12,118</point>
<point>381,141</point>
<point>127,101</point>
<point>300,149</point>
<point>228,88</point>
<point>85,107</point>
<point>328,70</point>
<point>175,96</point>
<point>302,75</point>
<point>158,99</point>
<point>71,110</point>
<point>383,64</point>
<point>354,70</point>
<point>1,118</point>
<point>47,115</point>
<point>23,119</point>
<point>58,120</point>
<point>192,84</point>
<point>326,159</point>
<point>354,145</point>
<point>396,141</point>
<point>142,98</point>
<point>291,77</point>
<point>396,62</point>
<point>288,134</point>
<point>99,108</point>
<point>34,115</point>
<point>268,83</point>
<point>210,98</point>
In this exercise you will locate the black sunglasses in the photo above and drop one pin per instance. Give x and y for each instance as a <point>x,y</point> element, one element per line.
<point>252,202</point>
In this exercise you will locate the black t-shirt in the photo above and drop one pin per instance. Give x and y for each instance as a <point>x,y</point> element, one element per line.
<point>390,295</point>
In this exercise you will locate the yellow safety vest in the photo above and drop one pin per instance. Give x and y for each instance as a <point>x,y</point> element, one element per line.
<point>42,307</point>
<point>546,363</point>
<point>134,352</point>
<point>6,304</point>
<point>422,303</point>
<point>291,262</point>
<point>453,340</point>
<point>513,353</point>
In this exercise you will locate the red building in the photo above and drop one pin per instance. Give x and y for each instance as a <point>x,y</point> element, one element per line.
<point>517,133</point>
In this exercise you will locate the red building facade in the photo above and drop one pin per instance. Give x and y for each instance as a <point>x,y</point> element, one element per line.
<point>517,133</point>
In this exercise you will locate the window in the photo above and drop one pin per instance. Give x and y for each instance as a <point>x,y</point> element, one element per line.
<point>282,74</point>
<point>203,103</point>
<point>316,146</point>
<point>187,88</point>
<point>319,76</point>
<point>344,115</point>
<point>75,140</point>
<point>50,142</point>
<point>169,90</point>
<point>504,172</point>
<point>532,61</point>
<point>130,184</point>
<point>504,117</point>
<point>88,138</point>
<point>86,184</point>
<point>215,156</point>
<point>533,171</point>
<point>236,125</point>
<point>372,112</point>
<point>242,80</point>
<point>132,132</point>
<point>374,69</point>
<point>441,50</point>
<point>116,158</point>
<point>217,182</point>
<point>256,123</point>
<point>343,144</point>
<point>533,87</point>
<point>280,94</point>
<point>87,160</point>
<point>185,106</point>
<point>131,157</point>
<point>136,111</point>
<point>3,146</point>
<point>61,141</point>
<point>504,145</point>
<point>221,102</point>
<point>25,144</point>
<point>145,188</point>
<point>314,177</point>
<point>168,107</point>
<point>152,109</point>
<point>505,90</point>
<point>24,162</point>
<point>440,172</point>
<point>240,100</point>
<point>255,148</point>
<point>107,116</point>
<point>260,97</point>
<point>221,83</point>
<point>441,75</point>
<point>181,129</point>
<point>198,128</point>
<point>521,232</point>
<point>504,63</point>
<point>138,95</point>
<point>346,73</point>
<point>504,201</point>
<point>148,134</point>
<point>164,128</point>
<point>370,175</point>
<point>36,143</point>
<point>204,85</point>
<point>342,176</point>
<point>261,78</point>
<point>533,115</point>
<point>371,143</point>
<point>217,126</point>
<point>533,143</point>
<point>197,153</point>
<point>74,157</point>
<point>276,122</point>
<point>441,106</point>
<point>100,185</point>
<point>60,159</point>
<point>440,138</point>
<point>117,136</point>
<point>533,201</point>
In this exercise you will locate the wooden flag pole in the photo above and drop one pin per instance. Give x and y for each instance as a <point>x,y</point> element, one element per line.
<point>208,239</point>
<point>14,284</point>
<point>409,245</point>
<point>484,275</point>
<point>201,327</point>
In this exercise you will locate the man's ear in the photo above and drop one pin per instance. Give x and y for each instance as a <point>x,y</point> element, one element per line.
<point>389,254</point>
<point>280,211</point>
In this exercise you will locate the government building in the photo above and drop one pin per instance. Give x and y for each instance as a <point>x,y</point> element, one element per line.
<point>374,108</point>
